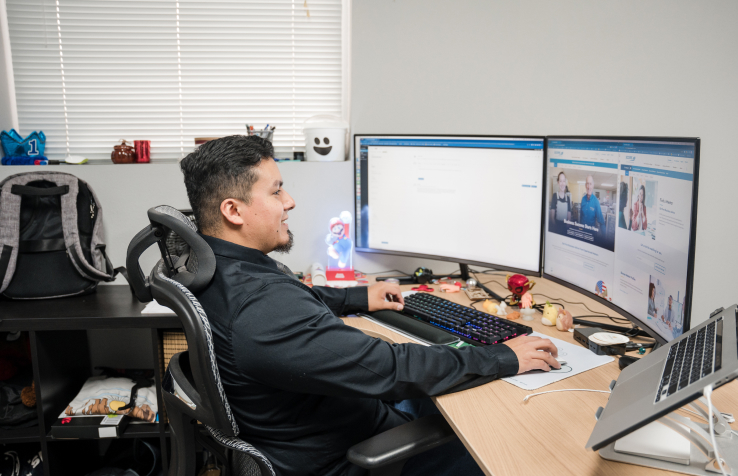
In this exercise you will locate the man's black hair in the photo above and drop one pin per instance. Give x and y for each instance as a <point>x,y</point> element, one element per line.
<point>220,169</point>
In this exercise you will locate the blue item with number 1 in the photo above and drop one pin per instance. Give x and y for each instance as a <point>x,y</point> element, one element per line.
<point>16,146</point>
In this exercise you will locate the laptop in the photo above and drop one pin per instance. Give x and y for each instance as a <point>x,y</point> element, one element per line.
<point>670,377</point>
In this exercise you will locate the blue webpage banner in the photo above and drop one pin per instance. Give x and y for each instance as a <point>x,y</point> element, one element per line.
<point>655,148</point>
<point>659,172</point>
<point>555,163</point>
<point>471,143</point>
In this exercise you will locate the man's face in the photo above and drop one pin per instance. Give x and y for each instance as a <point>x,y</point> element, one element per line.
<point>266,220</point>
<point>589,185</point>
<point>669,302</point>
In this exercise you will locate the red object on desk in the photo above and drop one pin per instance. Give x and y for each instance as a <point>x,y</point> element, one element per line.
<point>143,151</point>
<point>423,288</point>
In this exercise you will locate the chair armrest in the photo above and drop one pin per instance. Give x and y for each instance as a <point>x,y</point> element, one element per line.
<point>402,442</point>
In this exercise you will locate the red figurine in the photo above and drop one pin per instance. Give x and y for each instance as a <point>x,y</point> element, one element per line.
<point>518,285</point>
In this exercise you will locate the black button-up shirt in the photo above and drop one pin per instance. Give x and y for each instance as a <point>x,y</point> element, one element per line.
<point>302,385</point>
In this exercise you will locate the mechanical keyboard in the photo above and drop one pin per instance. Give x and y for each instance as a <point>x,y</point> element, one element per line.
<point>468,324</point>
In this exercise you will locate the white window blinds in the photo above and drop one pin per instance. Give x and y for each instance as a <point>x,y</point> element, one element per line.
<point>90,72</point>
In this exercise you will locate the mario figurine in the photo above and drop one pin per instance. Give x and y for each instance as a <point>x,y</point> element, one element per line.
<point>340,247</point>
<point>518,285</point>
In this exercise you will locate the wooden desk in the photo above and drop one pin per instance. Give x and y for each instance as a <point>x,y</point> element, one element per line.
<point>546,435</point>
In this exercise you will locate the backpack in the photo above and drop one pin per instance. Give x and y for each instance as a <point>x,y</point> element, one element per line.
<point>51,237</point>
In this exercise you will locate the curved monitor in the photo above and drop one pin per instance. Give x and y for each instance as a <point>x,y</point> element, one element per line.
<point>470,199</point>
<point>621,215</point>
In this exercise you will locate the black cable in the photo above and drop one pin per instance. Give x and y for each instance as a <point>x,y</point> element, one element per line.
<point>615,319</point>
<point>489,291</point>
<point>387,271</point>
<point>488,271</point>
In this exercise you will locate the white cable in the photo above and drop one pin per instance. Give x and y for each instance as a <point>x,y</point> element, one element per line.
<point>708,392</point>
<point>565,390</point>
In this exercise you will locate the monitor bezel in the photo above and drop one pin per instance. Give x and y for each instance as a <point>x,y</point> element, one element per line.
<point>692,235</point>
<point>526,272</point>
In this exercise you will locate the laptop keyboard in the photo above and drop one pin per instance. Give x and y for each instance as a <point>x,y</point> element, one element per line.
<point>691,359</point>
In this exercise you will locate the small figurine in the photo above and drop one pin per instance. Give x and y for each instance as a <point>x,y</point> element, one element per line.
<point>518,285</point>
<point>513,315</point>
<point>501,310</point>
<point>549,314</point>
<point>564,320</point>
<point>340,249</point>
<point>526,302</point>
<point>490,307</point>
<point>450,288</point>
<point>526,306</point>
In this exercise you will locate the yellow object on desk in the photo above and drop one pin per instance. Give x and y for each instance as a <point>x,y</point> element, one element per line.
<point>549,314</point>
<point>490,307</point>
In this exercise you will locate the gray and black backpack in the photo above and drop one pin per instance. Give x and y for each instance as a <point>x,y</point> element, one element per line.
<point>51,237</point>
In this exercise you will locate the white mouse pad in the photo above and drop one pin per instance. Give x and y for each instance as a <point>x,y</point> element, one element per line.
<point>578,360</point>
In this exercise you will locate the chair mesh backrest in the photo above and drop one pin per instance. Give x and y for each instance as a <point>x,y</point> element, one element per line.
<point>179,244</point>
<point>202,318</point>
<point>175,244</point>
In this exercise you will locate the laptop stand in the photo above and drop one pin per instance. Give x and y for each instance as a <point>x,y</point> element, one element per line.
<point>701,459</point>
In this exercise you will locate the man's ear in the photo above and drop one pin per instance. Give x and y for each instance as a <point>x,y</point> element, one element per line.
<point>233,211</point>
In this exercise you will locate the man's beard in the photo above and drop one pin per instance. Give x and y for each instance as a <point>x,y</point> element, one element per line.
<point>286,247</point>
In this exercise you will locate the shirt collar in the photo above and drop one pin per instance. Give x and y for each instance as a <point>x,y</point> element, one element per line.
<point>238,252</point>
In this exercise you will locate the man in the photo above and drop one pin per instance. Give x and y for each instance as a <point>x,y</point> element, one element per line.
<point>302,385</point>
<point>591,209</point>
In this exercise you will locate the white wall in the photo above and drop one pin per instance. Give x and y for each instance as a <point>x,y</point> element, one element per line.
<point>565,67</point>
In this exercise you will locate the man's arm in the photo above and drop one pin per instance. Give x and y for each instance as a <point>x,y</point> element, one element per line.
<point>374,298</point>
<point>344,301</point>
<point>286,339</point>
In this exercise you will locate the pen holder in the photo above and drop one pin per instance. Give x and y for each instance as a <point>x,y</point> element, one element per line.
<point>267,134</point>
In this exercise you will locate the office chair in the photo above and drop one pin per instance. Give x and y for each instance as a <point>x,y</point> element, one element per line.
<point>192,390</point>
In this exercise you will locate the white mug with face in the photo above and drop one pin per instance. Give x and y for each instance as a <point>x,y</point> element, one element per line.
<point>325,139</point>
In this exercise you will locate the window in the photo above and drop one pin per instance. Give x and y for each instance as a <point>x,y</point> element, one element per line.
<point>90,72</point>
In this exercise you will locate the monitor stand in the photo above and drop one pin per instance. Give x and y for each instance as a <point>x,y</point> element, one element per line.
<point>701,455</point>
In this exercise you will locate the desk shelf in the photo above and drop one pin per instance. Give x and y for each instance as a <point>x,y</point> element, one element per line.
<point>20,435</point>
<point>133,430</point>
<point>61,358</point>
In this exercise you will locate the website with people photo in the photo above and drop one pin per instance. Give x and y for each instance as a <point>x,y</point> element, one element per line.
<point>618,224</point>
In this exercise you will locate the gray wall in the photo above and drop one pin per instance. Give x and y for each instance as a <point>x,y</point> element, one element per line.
<point>321,191</point>
<point>565,67</point>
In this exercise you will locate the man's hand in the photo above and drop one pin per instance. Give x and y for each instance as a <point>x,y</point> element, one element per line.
<point>377,294</point>
<point>534,353</point>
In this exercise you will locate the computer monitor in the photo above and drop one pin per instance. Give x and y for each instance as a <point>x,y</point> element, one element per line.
<point>475,200</point>
<point>620,225</point>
